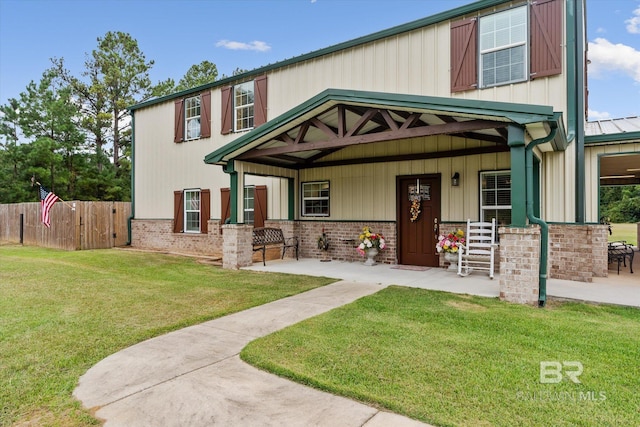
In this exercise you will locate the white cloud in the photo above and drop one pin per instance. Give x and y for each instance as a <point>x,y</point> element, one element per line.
<point>254,45</point>
<point>608,57</point>
<point>601,30</point>
<point>598,115</point>
<point>633,24</point>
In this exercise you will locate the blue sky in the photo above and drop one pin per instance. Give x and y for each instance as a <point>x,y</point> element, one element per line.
<point>249,33</point>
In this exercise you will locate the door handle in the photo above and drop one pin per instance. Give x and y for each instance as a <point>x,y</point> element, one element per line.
<point>436,228</point>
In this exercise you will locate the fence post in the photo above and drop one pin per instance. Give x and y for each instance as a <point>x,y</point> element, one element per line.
<point>21,228</point>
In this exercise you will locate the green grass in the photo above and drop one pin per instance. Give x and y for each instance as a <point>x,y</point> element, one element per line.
<point>455,360</point>
<point>62,312</point>
<point>628,232</point>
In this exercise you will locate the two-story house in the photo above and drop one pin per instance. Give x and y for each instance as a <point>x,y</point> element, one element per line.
<point>477,112</point>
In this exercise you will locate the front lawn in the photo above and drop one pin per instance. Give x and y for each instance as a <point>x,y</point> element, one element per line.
<point>626,232</point>
<point>456,360</point>
<point>62,312</point>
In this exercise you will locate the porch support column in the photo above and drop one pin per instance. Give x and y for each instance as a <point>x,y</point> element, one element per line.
<point>519,264</point>
<point>236,246</point>
<point>291,214</point>
<point>518,175</point>
<point>233,192</point>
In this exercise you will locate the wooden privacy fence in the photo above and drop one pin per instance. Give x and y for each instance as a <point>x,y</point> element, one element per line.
<point>91,225</point>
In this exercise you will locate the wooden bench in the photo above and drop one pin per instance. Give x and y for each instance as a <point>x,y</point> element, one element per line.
<point>620,252</point>
<point>264,237</point>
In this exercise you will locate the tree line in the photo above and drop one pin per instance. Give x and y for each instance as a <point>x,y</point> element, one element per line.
<point>620,204</point>
<point>72,133</point>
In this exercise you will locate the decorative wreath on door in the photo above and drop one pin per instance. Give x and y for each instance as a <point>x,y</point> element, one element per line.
<point>415,209</point>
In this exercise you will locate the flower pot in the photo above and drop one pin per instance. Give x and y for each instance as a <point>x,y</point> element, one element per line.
<point>453,260</point>
<point>371,253</point>
<point>324,256</point>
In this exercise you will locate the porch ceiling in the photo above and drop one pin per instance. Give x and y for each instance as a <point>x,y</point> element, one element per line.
<point>309,143</point>
<point>337,121</point>
<point>620,169</point>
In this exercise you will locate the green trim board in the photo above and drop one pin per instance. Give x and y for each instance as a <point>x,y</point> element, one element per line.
<point>390,32</point>
<point>520,114</point>
<point>291,200</point>
<point>233,191</point>
<point>518,172</point>
<point>613,137</point>
<point>133,179</point>
<point>575,75</point>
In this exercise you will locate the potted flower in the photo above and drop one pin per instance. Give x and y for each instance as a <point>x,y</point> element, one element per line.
<point>450,245</point>
<point>370,245</point>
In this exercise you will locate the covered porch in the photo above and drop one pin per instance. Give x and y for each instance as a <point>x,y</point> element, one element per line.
<point>368,156</point>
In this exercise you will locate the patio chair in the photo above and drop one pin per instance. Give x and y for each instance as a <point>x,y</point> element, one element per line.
<point>478,251</point>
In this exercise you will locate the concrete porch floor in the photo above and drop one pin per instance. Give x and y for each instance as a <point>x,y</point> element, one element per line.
<point>622,289</point>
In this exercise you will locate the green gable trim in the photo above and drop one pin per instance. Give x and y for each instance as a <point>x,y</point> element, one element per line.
<point>517,113</point>
<point>612,137</point>
<point>390,32</point>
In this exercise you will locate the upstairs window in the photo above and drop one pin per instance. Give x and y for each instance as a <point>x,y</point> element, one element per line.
<point>244,106</point>
<point>315,198</point>
<point>513,45</point>
<point>503,47</point>
<point>192,117</point>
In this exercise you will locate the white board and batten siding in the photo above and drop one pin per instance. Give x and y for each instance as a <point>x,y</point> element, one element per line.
<point>392,65</point>
<point>356,190</point>
<point>415,62</point>
<point>170,166</point>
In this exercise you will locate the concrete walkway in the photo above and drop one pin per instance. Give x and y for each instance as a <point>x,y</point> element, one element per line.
<point>620,289</point>
<point>194,376</point>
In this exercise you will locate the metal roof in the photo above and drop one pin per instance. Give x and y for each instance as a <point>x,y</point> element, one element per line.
<point>612,126</point>
<point>459,11</point>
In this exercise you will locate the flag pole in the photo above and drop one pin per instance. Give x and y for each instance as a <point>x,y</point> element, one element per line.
<point>73,208</point>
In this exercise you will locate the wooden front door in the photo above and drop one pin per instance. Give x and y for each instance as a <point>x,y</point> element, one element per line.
<point>418,232</point>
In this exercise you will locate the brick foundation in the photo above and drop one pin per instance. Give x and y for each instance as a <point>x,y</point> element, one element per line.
<point>519,262</point>
<point>159,235</point>
<point>576,252</point>
<point>343,240</point>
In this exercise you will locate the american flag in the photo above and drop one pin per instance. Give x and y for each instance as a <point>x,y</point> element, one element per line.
<point>47,200</point>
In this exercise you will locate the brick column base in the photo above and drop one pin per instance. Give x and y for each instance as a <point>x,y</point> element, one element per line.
<point>236,246</point>
<point>519,264</point>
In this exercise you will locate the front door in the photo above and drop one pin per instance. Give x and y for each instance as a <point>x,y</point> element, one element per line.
<point>418,217</point>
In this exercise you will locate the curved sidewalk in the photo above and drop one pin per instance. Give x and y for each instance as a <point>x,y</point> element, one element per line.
<point>194,377</point>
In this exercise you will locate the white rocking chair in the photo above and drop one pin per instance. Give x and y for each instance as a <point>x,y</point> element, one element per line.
<point>478,251</point>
